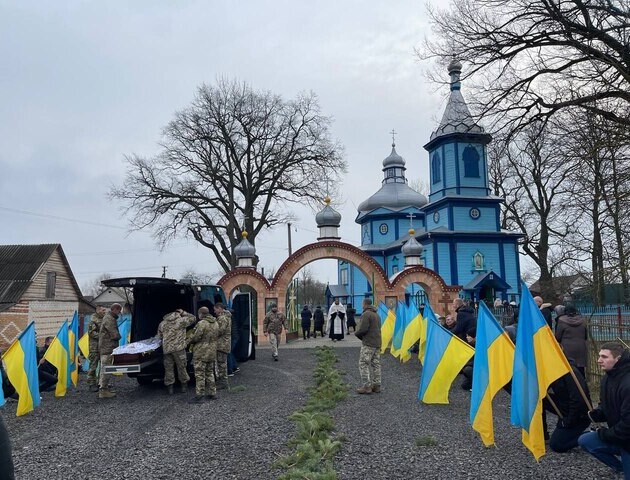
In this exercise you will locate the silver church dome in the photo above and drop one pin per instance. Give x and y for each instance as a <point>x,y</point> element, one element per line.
<point>244,249</point>
<point>328,216</point>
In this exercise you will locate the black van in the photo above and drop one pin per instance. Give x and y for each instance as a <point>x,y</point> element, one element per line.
<point>154,297</point>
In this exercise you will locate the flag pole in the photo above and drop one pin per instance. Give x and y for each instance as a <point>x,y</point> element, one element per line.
<point>555,407</point>
<point>624,343</point>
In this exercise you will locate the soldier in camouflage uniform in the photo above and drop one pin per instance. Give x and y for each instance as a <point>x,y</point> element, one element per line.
<point>224,343</point>
<point>204,341</point>
<point>93,329</point>
<point>273,324</point>
<point>369,332</point>
<point>108,339</point>
<point>172,331</point>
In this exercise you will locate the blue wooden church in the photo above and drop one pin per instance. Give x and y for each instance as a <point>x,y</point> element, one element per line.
<point>457,228</point>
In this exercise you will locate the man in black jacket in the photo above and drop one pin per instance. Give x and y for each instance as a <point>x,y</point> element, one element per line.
<point>566,396</point>
<point>465,320</point>
<point>6,462</point>
<point>612,445</point>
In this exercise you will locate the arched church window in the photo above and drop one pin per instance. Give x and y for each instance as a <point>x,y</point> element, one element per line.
<point>436,168</point>
<point>471,162</point>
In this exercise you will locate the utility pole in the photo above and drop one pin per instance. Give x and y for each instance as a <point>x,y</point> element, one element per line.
<point>289,232</point>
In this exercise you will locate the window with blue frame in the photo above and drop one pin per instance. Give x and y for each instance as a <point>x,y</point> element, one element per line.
<point>436,168</point>
<point>471,162</point>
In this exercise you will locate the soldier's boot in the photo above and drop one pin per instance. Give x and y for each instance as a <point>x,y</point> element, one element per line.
<point>211,397</point>
<point>364,390</point>
<point>169,389</point>
<point>222,384</point>
<point>184,388</point>
<point>376,389</point>
<point>196,399</point>
<point>106,393</point>
<point>93,387</point>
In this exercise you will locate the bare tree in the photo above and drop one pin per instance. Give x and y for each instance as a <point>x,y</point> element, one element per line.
<point>533,58</point>
<point>94,287</point>
<point>532,173</point>
<point>235,158</point>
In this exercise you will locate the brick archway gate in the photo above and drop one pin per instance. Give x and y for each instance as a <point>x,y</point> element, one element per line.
<point>440,295</point>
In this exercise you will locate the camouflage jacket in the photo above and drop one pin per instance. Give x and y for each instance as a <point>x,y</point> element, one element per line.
<point>93,329</point>
<point>274,322</point>
<point>224,343</point>
<point>204,339</point>
<point>172,331</point>
<point>108,335</point>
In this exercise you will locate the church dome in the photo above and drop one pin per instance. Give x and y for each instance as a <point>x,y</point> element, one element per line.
<point>395,196</point>
<point>394,160</point>
<point>328,216</point>
<point>244,249</point>
<point>412,247</point>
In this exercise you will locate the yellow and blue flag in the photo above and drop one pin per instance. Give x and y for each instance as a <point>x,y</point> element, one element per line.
<point>57,354</point>
<point>428,315</point>
<point>1,392</point>
<point>124,328</point>
<point>399,329</point>
<point>73,349</point>
<point>412,331</point>
<point>538,362</point>
<point>21,368</point>
<point>494,358</point>
<point>388,320</point>
<point>444,358</point>
<point>84,345</point>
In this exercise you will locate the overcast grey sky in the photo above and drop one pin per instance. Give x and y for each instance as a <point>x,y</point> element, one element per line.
<point>82,84</point>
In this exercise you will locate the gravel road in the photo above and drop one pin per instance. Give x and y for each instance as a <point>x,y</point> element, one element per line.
<point>145,434</point>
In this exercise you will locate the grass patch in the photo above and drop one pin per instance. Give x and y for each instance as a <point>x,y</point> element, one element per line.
<point>238,388</point>
<point>426,441</point>
<point>313,444</point>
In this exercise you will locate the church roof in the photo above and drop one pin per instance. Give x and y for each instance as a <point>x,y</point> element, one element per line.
<point>394,194</point>
<point>244,249</point>
<point>457,117</point>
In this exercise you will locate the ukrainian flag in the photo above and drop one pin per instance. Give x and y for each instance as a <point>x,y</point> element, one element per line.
<point>21,367</point>
<point>388,320</point>
<point>429,315</point>
<point>494,356</point>
<point>399,329</point>
<point>124,327</point>
<point>57,354</point>
<point>538,362</point>
<point>444,358</point>
<point>73,345</point>
<point>84,345</point>
<point>412,331</point>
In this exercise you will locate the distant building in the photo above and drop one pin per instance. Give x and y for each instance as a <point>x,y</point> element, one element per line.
<point>458,226</point>
<point>36,284</point>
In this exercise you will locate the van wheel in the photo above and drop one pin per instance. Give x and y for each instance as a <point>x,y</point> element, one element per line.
<point>144,380</point>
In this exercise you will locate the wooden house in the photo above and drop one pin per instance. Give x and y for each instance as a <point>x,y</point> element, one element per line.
<point>36,284</point>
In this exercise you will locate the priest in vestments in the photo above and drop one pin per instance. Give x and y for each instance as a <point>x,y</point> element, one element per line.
<point>336,321</point>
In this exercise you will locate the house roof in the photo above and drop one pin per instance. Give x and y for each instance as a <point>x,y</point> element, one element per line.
<point>20,264</point>
<point>487,279</point>
<point>337,290</point>
<point>562,284</point>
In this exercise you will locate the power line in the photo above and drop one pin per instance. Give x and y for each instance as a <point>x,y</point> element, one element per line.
<point>56,217</point>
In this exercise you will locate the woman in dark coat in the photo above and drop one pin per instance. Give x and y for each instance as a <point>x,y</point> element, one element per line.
<point>571,334</point>
<point>318,318</point>
<point>350,320</point>
<point>306,322</point>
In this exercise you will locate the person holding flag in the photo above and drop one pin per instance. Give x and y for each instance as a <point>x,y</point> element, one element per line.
<point>611,445</point>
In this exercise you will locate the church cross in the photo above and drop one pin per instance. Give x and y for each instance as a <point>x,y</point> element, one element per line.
<point>393,132</point>
<point>411,216</point>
